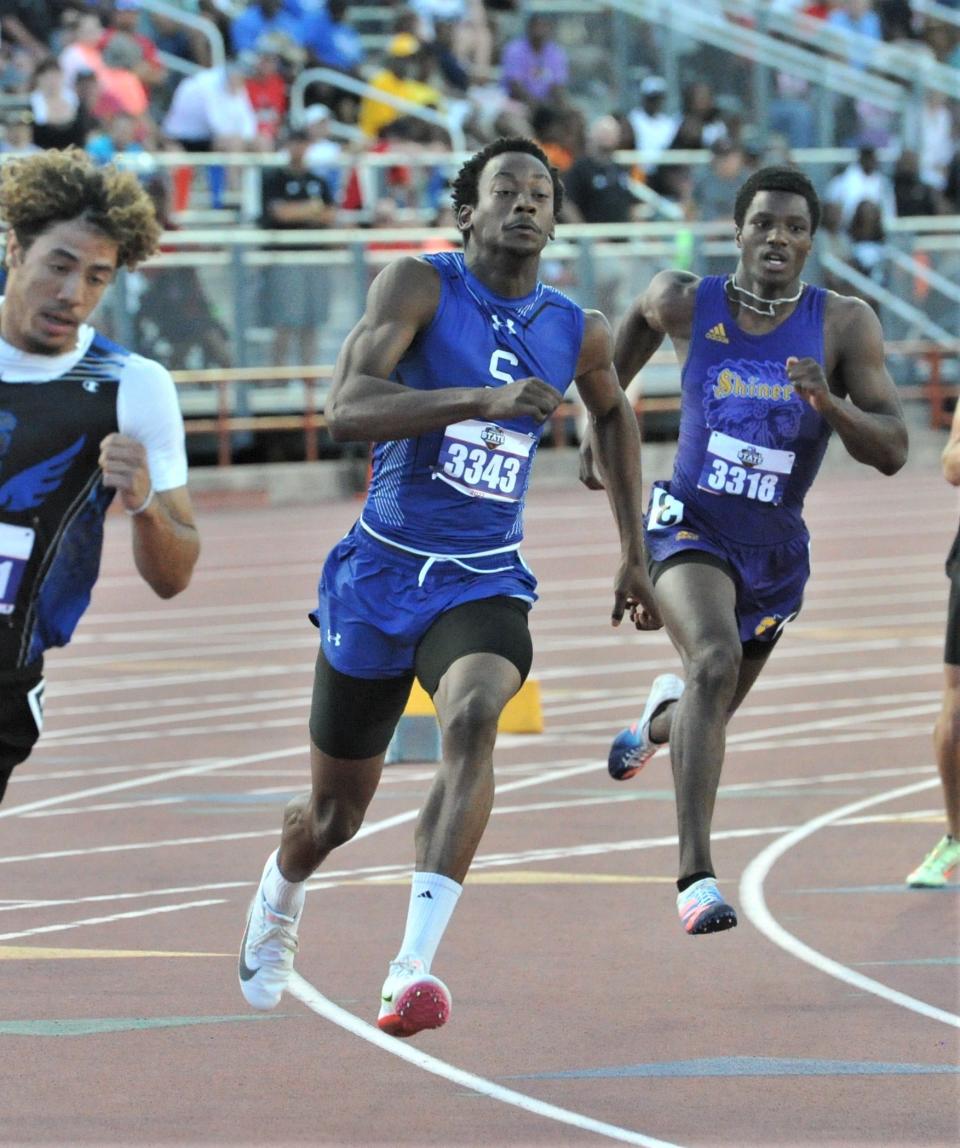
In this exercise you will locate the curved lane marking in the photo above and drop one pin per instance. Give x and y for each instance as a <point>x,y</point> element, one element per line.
<point>318,1003</point>
<point>754,905</point>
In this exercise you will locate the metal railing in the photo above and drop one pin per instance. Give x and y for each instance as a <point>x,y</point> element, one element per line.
<point>207,28</point>
<point>864,285</point>
<point>735,29</point>
<point>335,79</point>
<point>935,11</point>
<point>211,278</point>
<point>710,25</point>
<point>910,65</point>
<point>935,392</point>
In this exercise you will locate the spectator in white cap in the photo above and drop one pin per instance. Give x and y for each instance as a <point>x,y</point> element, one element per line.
<point>653,127</point>
<point>323,153</point>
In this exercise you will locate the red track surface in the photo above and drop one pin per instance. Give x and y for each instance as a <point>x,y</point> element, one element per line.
<point>176,731</point>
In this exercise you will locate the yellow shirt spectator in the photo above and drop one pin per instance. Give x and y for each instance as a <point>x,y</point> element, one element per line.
<point>396,80</point>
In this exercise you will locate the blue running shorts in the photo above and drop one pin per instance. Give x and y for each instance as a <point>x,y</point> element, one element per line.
<point>377,600</point>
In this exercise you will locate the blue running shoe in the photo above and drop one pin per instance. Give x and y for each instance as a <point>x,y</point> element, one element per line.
<point>702,909</point>
<point>632,747</point>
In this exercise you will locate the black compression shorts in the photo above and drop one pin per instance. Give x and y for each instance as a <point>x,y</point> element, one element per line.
<point>951,651</point>
<point>354,718</point>
<point>21,716</point>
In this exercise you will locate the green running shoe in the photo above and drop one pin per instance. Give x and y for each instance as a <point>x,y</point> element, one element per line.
<point>937,866</point>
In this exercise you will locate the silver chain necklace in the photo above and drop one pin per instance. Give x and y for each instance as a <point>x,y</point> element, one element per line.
<point>771,304</point>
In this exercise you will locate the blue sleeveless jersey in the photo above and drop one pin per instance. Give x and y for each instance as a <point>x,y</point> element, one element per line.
<point>460,490</point>
<point>749,446</point>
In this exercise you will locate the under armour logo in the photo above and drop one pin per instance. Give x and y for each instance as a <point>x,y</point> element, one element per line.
<point>498,323</point>
<point>91,386</point>
<point>335,638</point>
<point>426,893</point>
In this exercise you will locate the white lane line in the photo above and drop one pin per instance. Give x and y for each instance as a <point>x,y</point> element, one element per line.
<point>593,701</point>
<point>176,655</point>
<point>98,686</point>
<point>135,846</point>
<point>149,779</point>
<point>754,904</point>
<point>752,787</point>
<point>139,895</point>
<point>365,830</point>
<point>632,667</point>
<point>299,701</point>
<point>318,1003</point>
<point>113,917</point>
<point>189,722</point>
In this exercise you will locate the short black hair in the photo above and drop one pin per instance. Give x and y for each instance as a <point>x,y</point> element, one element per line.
<point>777,178</point>
<point>466,186</point>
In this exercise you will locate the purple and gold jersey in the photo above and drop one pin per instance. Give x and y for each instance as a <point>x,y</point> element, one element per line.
<point>460,490</point>
<point>749,446</point>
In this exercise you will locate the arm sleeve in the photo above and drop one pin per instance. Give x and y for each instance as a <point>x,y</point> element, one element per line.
<point>148,410</point>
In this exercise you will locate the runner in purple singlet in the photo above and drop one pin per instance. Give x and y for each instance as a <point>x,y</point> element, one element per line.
<point>770,368</point>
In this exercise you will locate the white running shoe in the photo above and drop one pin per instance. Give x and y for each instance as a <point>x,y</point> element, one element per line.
<point>412,1000</point>
<point>266,953</point>
<point>632,747</point>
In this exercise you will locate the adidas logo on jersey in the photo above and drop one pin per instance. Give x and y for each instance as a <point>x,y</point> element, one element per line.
<point>717,334</point>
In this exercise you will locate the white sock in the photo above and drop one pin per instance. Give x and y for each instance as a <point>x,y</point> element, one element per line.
<point>432,901</point>
<point>282,896</point>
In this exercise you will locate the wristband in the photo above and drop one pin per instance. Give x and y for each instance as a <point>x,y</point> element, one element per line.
<point>143,505</point>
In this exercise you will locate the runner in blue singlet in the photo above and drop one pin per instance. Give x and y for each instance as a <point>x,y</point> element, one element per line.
<point>452,371</point>
<point>771,367</point>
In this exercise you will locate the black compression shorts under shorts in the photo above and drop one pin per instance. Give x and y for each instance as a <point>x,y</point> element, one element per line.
<point>354,718</point>
<point>951,651</point>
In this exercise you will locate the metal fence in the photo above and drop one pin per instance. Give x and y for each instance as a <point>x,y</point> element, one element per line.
<point>213,302</point>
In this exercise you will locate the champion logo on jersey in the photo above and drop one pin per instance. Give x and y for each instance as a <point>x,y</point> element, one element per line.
<point>717,334</point>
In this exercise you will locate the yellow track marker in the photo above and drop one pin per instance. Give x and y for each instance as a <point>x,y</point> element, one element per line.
<point>521,877</point>
<point>38,953</point>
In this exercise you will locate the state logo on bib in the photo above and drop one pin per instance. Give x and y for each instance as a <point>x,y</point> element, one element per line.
<point>485,460</point>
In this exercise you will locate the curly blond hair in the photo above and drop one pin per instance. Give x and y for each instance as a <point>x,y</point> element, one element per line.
<point>52,186</point>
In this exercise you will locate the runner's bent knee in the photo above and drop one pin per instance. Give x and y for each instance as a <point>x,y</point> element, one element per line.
<point>335,820</point>
<point>714,667</point>
<point>472,717</point>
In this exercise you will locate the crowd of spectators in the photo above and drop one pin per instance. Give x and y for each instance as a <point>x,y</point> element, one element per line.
<point>102,75</point>
<point>90,73</point>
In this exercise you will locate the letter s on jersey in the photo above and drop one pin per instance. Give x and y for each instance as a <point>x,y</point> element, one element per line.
<point>503,357</point>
